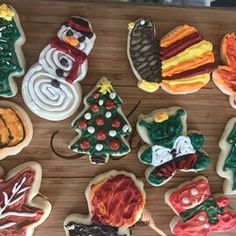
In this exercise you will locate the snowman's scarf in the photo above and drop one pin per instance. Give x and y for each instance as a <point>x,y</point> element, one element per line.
<point>78,55</point>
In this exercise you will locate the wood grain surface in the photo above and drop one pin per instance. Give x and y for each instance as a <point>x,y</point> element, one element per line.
<point>64,181</point>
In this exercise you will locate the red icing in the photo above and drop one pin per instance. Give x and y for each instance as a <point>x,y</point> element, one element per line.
<point>22,222</point>
<point>96,95</point>
<point>229,77</point>
<point>84,144</point>
<point>100,120</point>
<point>116,123</point>
<point>230,42</point>
<point>101,135</point>
<point>95,107</point>
<point>78,27</point>
<point>116,201</point>
<point>114,144</point>
<point>110,104</point>
<point>82,124</point>
<point>78,56</point>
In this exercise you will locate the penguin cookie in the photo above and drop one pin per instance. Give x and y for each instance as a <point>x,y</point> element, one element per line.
<point>50,87</point>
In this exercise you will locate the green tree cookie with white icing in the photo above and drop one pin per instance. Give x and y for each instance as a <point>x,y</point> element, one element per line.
<point>170,148</point>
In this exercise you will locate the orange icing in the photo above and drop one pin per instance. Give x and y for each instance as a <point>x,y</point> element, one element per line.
<point>11,127</point>
<point>188,65</point>
<point>177,34</point>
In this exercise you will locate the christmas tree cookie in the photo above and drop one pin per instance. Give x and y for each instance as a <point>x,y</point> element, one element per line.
<point>50,87</point>
<point>179,63</point>
<point>199,213</point>
<point>101,126</point>
<point>21,208</point>
<point>116,200</point>
<point>15,128</point>
<point>169,147</point>
<point>226,165</point>
<point>12,62</point>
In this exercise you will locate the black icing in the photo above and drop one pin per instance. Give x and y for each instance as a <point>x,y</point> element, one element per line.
<point>91,230</point>
<point>59,72</point>
<point>64,61</point>
<point>55,83</point>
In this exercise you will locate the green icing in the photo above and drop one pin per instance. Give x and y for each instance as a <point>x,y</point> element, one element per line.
<point>230,162</point>
<point>100,156</point>
<point>9,34</point>
<point>209,206</point>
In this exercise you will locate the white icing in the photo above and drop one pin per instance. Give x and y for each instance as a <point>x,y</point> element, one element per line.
<point>185,200</point>
<point>194,191</point>
<point>99,146</point>
<point>112,133</point>
<point>87,116</point>
<point>100,102</point>
<point>112,95</point>
<point>201,218</point>
<point>206,225</point>
<point>125,128</point>
<point>108,114</point>
<point>182,146</point>
<point>142,22</point>
<point>91,129</point>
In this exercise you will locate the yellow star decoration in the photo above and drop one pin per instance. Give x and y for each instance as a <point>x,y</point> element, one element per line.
<point>6,12</point>
<point>105,86</point>
<point>161,117</point>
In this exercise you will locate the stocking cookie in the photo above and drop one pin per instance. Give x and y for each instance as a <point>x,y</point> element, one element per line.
<point>21,208</point>
<point>116,200</point>
<point>12,59</point>
<point>180,63</point>
<point>169,147</point>
<point>199,213</point>
<point>50,87</point>
<point>15,127</point>
<point>225,76</point>
<point>102,126</point>
<point>226,163</point>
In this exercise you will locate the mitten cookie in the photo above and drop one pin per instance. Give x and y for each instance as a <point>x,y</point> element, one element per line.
<point>15,127</point>
<point>12,59</point>
<point>50,87</point>
<point>169,147</point>
<point>116,200</point>
<point>199,213</point>
<point>180,63</point>
<point>21,208</point>
<point>102,126</point>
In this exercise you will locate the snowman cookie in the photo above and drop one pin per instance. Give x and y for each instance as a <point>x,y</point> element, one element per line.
<point>116,200</point>
<point>50,87</point>
<point>12,59</point>
<point>170,148</point>
<point>199,213</point>
<point>21,207</point>
<point>226,163</point>
<point>15,128</point>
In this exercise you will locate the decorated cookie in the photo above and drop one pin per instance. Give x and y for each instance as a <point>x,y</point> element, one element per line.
<point>102,126</point>
<point>50,87</point>
<point>199,213</point>
<point>12,59</point>
<point>116,200</point>
<point>21,208</point>
<point>180,63</point>
<point>226,167</point>
<point>15,127</point>
<point>169,147</point>
<point>225,76</point>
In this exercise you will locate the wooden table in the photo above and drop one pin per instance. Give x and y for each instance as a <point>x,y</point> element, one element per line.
<point>64,181</point>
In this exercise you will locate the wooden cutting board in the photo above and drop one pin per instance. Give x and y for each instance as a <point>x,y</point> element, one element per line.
<point>64,181</point>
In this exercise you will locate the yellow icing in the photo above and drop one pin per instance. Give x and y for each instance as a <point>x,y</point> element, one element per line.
<point>105,86</point>
<point>131,25</point>
<point>161,117</point>
<point>148,86</point>
<point>188,54</point>
<point>6,12</point>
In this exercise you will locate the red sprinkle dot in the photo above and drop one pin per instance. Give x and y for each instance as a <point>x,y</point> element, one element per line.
<point>85,144</point>
<point>109,104</point>
<point>95,107</point>
<point>96,95</point>
<point>100,120</point>
<point>116,123</point>
<point>114,144</point>
<point>101,135</point>
<point>82,124</point>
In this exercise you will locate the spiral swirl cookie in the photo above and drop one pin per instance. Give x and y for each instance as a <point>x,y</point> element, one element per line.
<point>15,128</point>
<point>50,87</point>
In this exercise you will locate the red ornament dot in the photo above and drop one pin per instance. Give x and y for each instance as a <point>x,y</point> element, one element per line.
<point>114,144</point>
<point>82,124</point>
<point>101,135</point>
<point>116,123</point>
<point>109,104</point>
<point>84,144</point>
<point>96,95</point>
<point>100,120</point>
<point>95,107</point>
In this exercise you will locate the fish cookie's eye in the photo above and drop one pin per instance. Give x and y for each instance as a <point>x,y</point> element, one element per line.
<point>142,22</point>
<point>69,32</point>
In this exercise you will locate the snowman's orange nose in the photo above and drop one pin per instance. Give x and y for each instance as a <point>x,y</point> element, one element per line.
<point>71,40</point>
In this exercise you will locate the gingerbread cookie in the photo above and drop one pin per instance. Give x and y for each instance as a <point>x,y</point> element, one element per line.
<point>226,163</point>
<point>15,127</point>
<point>224,76</point>
<point>12,59</point>
<point>50,87</point>
<point>180,63</point>
<point>199,213</point>
<point>116,200</point>
<point>21,208</point>
<point>169,146</point>
<point>102,126</point>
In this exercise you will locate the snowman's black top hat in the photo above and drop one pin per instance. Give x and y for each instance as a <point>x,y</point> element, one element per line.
<point>81,25</point>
